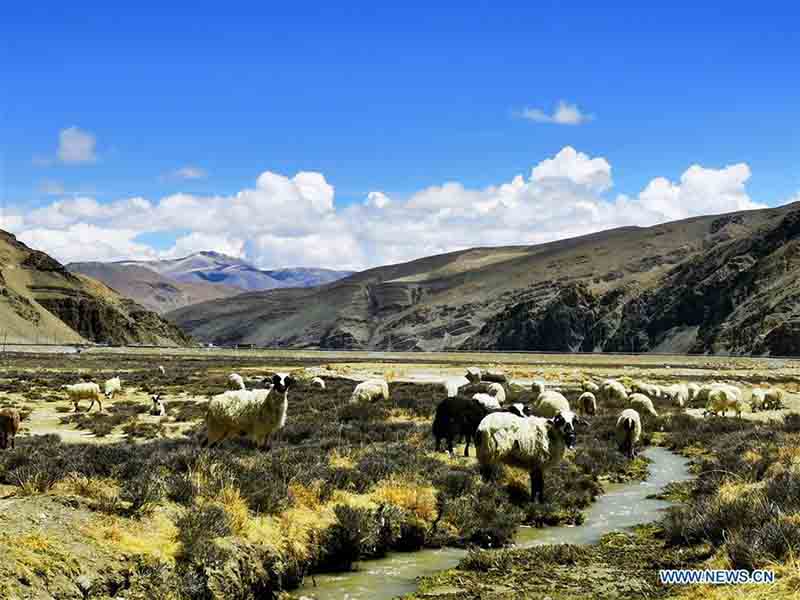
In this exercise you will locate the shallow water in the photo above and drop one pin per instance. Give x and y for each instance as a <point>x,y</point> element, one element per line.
<point>621,507</point>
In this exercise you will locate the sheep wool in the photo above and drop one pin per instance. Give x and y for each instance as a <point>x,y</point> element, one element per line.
<point>642,404</point>
<point>370,390</point>
<point>550,403</point>
<point>9,427</point>
<point>587,403</point>
<point>538,387</point>
<point>498,391</point>
<point>85,391</point>
<point>722,399</point>
<point>256,413</point>
<point>474,375</point>
<point>112,386</point>
<point>318,382</point>
<point>235,382</point>
<point>487,401</point>
<point>628,431</point>
<point>612,390</point>
<point>773,399</point>
<point>590,386</point>
<point>648,389</point>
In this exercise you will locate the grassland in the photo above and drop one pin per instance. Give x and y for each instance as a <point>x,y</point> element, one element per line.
<point>161,517</point>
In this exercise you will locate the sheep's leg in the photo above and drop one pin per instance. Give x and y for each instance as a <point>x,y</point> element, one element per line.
<point>438,444</point>
<point>537,485</point>
<point>467,438</point>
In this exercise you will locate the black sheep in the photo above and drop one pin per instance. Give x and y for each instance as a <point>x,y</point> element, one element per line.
<point>457,416</point>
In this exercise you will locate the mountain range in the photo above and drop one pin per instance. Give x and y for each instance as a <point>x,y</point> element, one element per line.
<point>165,285</point>
<point>716,284</point>
<point>42,302</point>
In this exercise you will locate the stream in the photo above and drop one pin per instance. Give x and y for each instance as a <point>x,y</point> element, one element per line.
<point>622,506</point>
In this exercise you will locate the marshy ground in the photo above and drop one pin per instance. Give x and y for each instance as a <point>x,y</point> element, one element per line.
<point>126,504</point>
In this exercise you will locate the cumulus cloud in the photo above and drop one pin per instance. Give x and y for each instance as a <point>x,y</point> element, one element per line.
<point>188,173</point>
<point>76,146</point>
<point>295,221</point>
<point>563,114</point>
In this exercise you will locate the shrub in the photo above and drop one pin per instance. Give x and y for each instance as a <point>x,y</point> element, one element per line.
<point>198,526</point>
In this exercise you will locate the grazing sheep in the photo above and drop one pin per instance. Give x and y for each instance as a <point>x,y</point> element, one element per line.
<point>723,398</point>
<point>677,393</point>
<point>518,408</point>
<point>642,404</point>
<point>474,375</point>
<point>254,413</point>
<point>453,385</point>
<point>692,388</point>
<point>9,427</point>
<point>587,403</point>
<point>495,376</point>
<point>648,389</point>
<point>701,398</point>
<point>538,387</point>
<point>318,382</point>
<point>773,399</point>
<point>112,386</point>
<point>158,409</point>
<point>757,399</point>
<point>370,390</point>
<point>533,443</point>
<point>628,431</point>
<point>161,370</point>
<point>550,403</point>
<point>85,391</point>
<point>487,401</point>
<point>590,386</point>
<point>455,417</point>
<point>235,382</point>
<point>498,391</point>
<point>612,390</point>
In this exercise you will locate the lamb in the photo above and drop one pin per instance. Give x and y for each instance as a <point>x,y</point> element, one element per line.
<point>677,393</point>
<point>495,376</point>
<point>85,391</point>
<point>648,389</point>
<point>723,398</point>
<point>318,382</point>
<point>612,390</point>
<point>590,386</point>
<point>550,403</point>
<point>587,403</point>
<point>474,375</point>
<point>253,413</point>
<point>235,382</point>
<point>498,391</point>
<point>158,409</point>
<point>773,399</point>
<point>628,431</point>
<point>538,387</point>
<point>9,427</point>
<point>112,386</point>
<point>642,404</point>
<point>487,401</point>
<point>455,417</point>
<point>370,390</point>
<point>532,443</point>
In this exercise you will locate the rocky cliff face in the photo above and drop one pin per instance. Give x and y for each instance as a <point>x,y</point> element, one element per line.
<point>718,284</point>
<point>40,301</point>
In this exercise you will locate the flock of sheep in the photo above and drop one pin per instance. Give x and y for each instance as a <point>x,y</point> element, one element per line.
<point>531,437</point>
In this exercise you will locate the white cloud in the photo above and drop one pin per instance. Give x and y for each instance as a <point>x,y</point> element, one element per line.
<point>188,172</point>
<point>563,114</point>
<point>295,221</point>
<point>76,146</point>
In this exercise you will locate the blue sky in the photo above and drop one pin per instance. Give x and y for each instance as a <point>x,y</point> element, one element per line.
<point>390,99</point>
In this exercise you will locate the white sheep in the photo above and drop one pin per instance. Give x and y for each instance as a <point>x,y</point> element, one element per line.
<point>773,399</point>
<point>236,382</point>
<point>318,382</point>
<point>370,390</point>
<point>642,404</point>
<point>498,391</point>
<point>254,413</point>
<point>677,393</point>
<point>474,375</point>
<point>487,401</point>
<point>724,398</point>
<point>112,386</point>
<point>550,403</point>
<point>158,409</point>
<point>587,403</point>
<point>628,431</point>
<point>612,390</point>
<point>590,386</point>
<point>650,390</point>
<point>161,370</point>
<point>494,375</point>
<point>701,397</point>
<point>757,396</point>
<point>538,386</point>
<point>532,443</point>
<point>692,388</point>
<point>85,391</point>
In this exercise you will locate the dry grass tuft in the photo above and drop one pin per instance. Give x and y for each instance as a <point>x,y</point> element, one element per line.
<point>417,498</point>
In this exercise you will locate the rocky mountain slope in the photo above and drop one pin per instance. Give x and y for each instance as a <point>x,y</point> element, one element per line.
<point>40,301</point>
<point>153,291</point>
<point>715,284</point>
<point>220,269</point>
